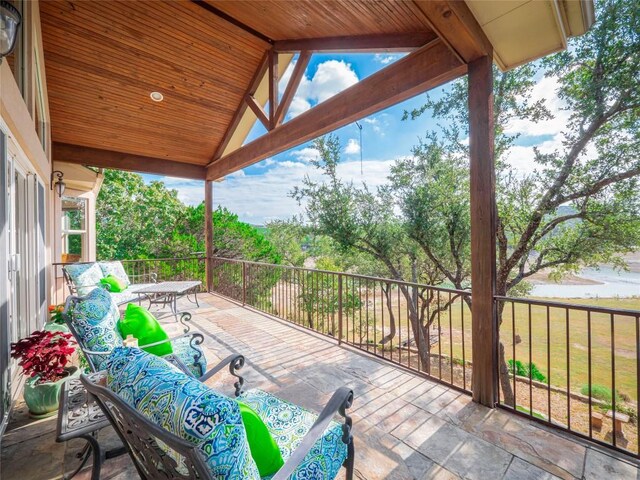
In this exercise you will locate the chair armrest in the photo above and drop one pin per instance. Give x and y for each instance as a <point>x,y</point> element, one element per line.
<point>339,402</point>
<point>235,363</point>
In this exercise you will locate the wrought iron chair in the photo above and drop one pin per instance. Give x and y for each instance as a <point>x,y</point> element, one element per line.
<point>143,439</point>
<point>187,356</point>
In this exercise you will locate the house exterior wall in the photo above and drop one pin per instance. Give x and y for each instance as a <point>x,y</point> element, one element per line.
<point>29,210</point>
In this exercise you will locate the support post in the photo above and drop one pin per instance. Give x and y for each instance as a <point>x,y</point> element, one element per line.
<point>483,232</point>
<point>208,232</point>
<point>340,327</point>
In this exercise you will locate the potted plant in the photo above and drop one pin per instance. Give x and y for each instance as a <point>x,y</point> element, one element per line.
<point>45,357</point>
<point>56,321</point>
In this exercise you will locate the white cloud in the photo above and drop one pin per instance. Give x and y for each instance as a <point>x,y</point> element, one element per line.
<point>260,198</point>
<point>378,124</point>
<point>386,59</point>
<point>353,147</point>
<point>305,154</point>
<point>331,77</point>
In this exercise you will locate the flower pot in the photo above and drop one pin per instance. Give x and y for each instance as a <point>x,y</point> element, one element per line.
<point>56,327</point>
<point>43,399</point>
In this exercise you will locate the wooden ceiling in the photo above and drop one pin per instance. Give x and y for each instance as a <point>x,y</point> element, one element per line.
<point>104,57</point>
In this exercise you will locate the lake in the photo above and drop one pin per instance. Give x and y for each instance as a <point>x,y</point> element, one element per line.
<point>612,284</point>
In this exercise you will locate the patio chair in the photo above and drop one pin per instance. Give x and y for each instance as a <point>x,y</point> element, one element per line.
<point>174,427</point>
<point>82,277</point>
<point>92,320</point>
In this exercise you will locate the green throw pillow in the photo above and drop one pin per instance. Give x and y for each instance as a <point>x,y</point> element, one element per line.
<point>264,449</point>
<point>115,284</point>
<point>139,322</point>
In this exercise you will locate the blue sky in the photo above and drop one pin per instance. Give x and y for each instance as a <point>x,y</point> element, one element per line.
<point>259,193</point>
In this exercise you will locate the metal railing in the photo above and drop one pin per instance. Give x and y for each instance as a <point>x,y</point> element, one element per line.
<point>423,328</point>
<point>575,367</point>
<point>140,270</point>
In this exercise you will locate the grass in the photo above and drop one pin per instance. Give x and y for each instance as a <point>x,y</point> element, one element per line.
<point>562,356</point>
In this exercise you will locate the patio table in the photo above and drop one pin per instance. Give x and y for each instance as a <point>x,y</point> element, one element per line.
<point>167,293</point>
<point>81,417</point>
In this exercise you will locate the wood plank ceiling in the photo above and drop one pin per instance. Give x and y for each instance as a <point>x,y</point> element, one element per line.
<point>104,58</point>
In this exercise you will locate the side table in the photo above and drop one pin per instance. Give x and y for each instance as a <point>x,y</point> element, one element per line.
<point>80,417</point>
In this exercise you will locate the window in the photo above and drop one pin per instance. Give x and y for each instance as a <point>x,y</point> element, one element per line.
<point>74,229</point>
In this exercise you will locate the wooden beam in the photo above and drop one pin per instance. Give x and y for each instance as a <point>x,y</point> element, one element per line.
<point>394,42</point>
<point>483,232</point>
<point>219,13</point>
<point>63,152</point>
<point>273,88</point>
<point>454,23</point>
<point>292,87</point>
<point>251,89</point>
<point>429,67</point>
<point>208,232</point>
<point>258,110</point>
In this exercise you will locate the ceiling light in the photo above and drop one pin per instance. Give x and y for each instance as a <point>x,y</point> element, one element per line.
<point>156,96</point>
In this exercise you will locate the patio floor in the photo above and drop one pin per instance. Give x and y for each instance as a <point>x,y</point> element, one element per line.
<point>405,427</point>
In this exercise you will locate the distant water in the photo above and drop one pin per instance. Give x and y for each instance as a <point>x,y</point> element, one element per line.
<point>613,284</point>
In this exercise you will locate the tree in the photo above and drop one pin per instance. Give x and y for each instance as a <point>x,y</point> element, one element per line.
<point>287,237</point>
<point>580,207</point>
<point>134,219</point>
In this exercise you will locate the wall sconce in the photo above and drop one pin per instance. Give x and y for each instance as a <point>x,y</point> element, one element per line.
<point>10,20</point>
<point>59,185</point>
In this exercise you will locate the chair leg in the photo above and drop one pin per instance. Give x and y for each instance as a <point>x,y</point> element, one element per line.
<point>349,462</point>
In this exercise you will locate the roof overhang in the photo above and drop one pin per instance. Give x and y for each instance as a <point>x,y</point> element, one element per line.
<point>525,30</point>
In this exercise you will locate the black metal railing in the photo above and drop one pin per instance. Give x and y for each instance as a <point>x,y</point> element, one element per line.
<point>142,270</point>
<point>423,328</point>
<point>573,366</point>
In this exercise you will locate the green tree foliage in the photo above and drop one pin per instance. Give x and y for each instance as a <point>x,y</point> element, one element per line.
<point>136,220</point>
<point>580,207</point>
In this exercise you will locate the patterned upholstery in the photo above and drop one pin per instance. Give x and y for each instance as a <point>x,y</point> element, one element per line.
<point>94,319</point>
<point>185,351</point>
<point>288,424</point>
<point>116,269</point>
<point>85,276</point>
<point>185,407</point>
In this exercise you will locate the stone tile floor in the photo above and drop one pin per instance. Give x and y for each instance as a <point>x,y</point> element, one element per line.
<point>405,427</point>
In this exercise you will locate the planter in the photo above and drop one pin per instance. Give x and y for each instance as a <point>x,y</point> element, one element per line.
<point>56,327</point>
<point>43,399</point>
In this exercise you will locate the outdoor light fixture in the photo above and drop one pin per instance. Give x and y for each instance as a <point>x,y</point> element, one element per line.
<point>10,20</point>
<point>60,185</point>
<point>156,96</point>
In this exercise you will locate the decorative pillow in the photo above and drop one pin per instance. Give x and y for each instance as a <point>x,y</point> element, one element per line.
<point>190,355</point>
<point>264,449</point>
<point>116,269</point>
<point>94,319</point>
<point>85,276</point>
<point>140,323</point>
<point>114,283</point>
<point>185,407</point>
<point>288,424</point>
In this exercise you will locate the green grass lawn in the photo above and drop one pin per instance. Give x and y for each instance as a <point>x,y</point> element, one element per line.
<point>547,349</point>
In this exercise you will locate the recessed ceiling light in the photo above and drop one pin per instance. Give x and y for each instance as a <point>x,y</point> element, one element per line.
<point>156,96</point>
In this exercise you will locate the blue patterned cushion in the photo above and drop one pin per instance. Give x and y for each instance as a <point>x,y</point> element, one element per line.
<point>94,318</point>
<point>85,276</point>
<point>183,349</point>
<point>116,269</point>
<point>185,407</point>
<point>288,424</point>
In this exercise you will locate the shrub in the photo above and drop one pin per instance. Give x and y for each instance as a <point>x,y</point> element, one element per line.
<point>524,370</point>
<point>600,392</point>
